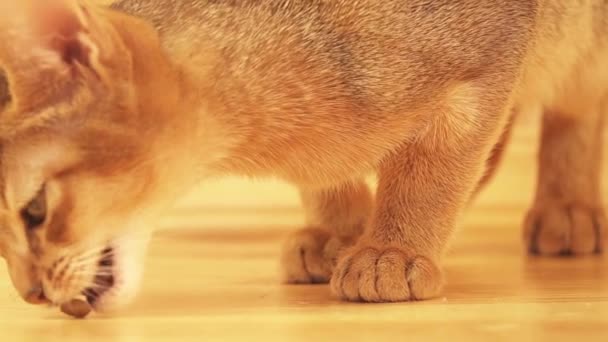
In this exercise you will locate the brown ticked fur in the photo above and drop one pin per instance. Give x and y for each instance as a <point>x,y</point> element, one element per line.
<point>118,111</point>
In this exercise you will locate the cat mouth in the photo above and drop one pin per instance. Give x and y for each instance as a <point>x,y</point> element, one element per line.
<point>104,279</point>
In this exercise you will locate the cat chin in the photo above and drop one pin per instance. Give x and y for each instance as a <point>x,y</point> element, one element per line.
<point>130,251</point>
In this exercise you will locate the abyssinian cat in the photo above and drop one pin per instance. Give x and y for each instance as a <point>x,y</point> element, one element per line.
<point>111,113</point>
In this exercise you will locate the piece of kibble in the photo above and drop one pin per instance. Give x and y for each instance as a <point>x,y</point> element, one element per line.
<point>77,308</point>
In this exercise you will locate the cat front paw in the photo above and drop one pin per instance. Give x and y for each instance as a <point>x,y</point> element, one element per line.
<point>385,274</point>
<point>310,255</point>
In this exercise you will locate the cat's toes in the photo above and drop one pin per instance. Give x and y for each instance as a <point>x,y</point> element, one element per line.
<point>309,256</point>
<point>385,275</point>
<point>565,229</point>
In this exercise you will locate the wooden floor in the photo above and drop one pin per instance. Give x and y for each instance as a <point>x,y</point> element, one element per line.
<point>212,276</point>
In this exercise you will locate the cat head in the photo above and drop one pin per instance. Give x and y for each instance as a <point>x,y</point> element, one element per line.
<point>82,107</point>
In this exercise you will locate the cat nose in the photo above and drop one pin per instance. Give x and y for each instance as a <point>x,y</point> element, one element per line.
<point>36,295</point>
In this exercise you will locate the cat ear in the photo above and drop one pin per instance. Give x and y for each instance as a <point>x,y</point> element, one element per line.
<point>47,47</point>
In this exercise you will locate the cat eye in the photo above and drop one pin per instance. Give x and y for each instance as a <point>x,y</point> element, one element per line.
<point>34,213</point>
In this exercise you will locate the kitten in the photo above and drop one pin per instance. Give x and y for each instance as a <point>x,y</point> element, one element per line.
<point>114,112</point>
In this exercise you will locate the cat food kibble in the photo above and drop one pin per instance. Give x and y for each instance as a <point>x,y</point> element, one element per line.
<point>77,308</point>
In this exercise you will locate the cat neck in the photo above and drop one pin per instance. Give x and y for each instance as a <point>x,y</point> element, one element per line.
<point>177,121</point>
